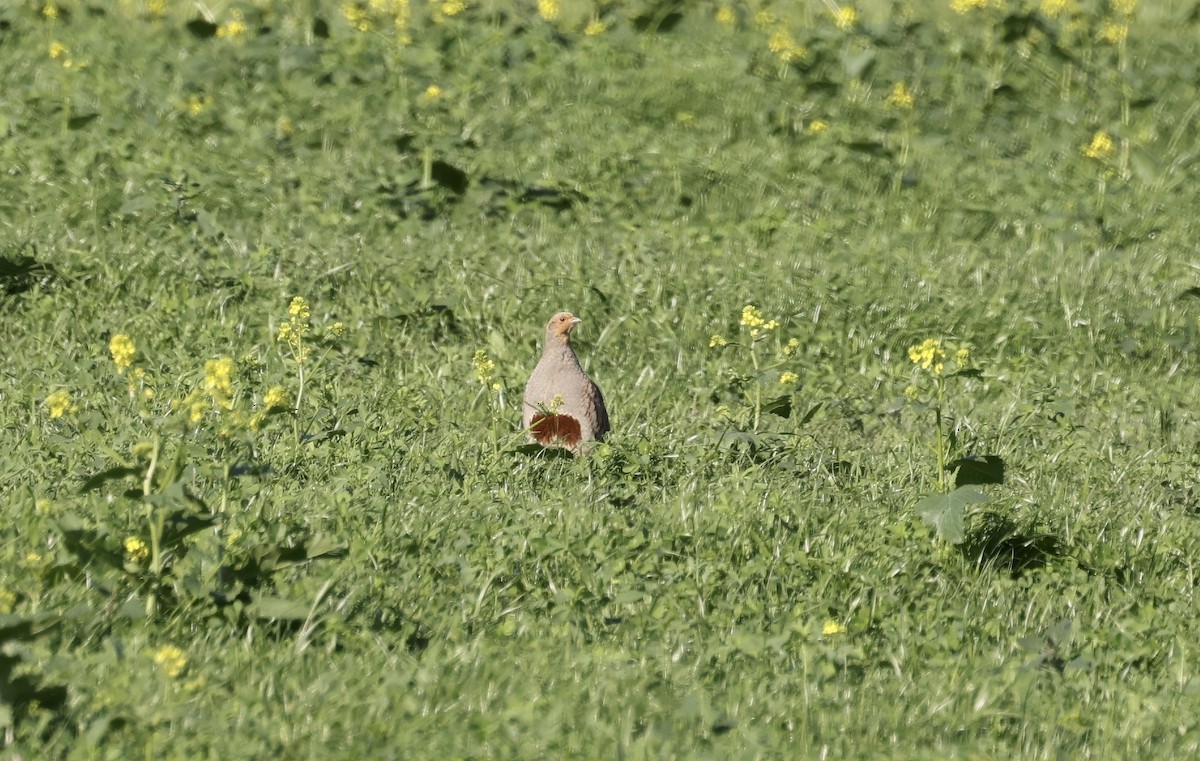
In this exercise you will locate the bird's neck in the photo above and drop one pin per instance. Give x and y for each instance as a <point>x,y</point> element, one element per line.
<point>558,349</point>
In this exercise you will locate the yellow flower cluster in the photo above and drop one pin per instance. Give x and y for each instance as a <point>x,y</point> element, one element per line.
<point>197,104</point>
<point>7,601</point>
<point>789,378</point>
<point>136,549</point>
<point>59,404</point>
<point>1052,9</point>
<point>717,341</point>
<point>595,28</point>
<point>362,16</point>
<point>725,16</point>
<point>1102,147</point>
<point>1113,32</point>
<point>929,354</point>
<point>549,9</point>
<point>792,346</point>
<point>757,324</point>
<point>484,367</point>
<point>1123,7</point>
<point>782,44</point>
<point>902,98</point>
<point>357,17</point>
<point>218,381</point>
<point>275,398</point>
<point>817,126</point>
<point>170,660</point>
<point>235,28</point>
<point>122,350</point>
<point>845,17</point>
<point>296,328</point>
<point>966,6</point>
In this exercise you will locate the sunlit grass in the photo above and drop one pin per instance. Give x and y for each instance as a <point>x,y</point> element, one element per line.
<point>273,276</point>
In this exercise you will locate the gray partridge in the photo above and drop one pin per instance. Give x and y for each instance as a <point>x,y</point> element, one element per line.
<point>562,406</point>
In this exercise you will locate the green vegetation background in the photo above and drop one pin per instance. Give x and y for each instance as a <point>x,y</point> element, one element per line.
<point>379,569</point>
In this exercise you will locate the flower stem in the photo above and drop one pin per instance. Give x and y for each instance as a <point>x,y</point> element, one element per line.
<point>757,386</point>
<point>941,442</point>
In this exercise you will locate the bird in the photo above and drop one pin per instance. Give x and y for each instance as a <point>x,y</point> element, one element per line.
<point>563,407</point>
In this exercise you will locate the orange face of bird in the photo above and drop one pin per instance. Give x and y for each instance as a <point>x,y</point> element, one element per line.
<point>562,323</point>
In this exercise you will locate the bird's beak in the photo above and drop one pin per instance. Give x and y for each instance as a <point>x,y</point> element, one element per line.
<point>575,320</point>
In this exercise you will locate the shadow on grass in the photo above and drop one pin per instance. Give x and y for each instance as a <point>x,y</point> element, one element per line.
<point>997,540</point>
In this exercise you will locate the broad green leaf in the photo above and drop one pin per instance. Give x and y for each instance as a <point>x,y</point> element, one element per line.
<point>945,512</point>
<point>279,609</point>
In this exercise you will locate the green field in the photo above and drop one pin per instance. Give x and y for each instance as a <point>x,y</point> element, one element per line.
<point>274,275</point>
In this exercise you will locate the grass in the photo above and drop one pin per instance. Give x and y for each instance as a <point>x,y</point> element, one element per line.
<point>377,566</point>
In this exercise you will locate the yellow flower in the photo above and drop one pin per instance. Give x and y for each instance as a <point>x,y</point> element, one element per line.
<point>218,381</point>
<point>357,17</point>
<point>1102,147</point>
<point>453,7</point>
<point>595,28</point>
<point>196,410</point>
<point>962,355</point>
<point>751,317</point>
<point>845,17</point>
<point>726,16</point>
<point>928,354</point>
<point>910,392</point>
<point>32,560</point>
<point>433,92</point>
<point>58,404</point>
<point>717,341</point>
<point>1124,7</point>
<point>50,12</point>
<point>763,18</point>
<point>197,104</point>
<point>832,628</point>
<point>156,7</point>
<point>171,660</point>
<point>483,367</point>
<point>1055,8</point>
<point>275,398</point>
<point>58,50</point>
<point>817,126</point>
<point>966,6</point>
<point>792,345</point>
<point>337,329</point>
<point>902,98</point>
<point>789,379</point>
<point>548,9</point>
<point>1112,32</point>
<point>235,28</point>
<point>136,549</point>
<point>299,308</point>
<point>782,44</point>
<point>122,350</point>
<point>7,601</point>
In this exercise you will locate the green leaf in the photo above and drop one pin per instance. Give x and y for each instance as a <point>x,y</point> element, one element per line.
<point>279,609</point>
<point>112,474</point>
<point>780,405</point>
<point>945,512</point>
